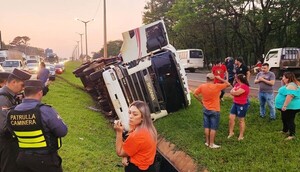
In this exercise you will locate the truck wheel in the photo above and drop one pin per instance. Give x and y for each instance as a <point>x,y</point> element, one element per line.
<point>277,72</point>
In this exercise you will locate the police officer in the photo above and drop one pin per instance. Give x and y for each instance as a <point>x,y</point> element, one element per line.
<point>3,78</point>
<point>38,129</point>
<point>8,145</point>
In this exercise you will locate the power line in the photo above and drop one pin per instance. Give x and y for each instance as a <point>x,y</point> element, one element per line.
<point>97,9</point>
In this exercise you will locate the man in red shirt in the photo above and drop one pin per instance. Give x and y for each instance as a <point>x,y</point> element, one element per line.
<point>220,70</point>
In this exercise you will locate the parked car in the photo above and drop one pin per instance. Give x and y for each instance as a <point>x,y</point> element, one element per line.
<point>33,66</point>
<point>51,68</point>
<point>59,68</point>
<point>10,65</point>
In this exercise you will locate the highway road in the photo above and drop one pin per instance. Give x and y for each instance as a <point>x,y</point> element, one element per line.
<point>195,79</point>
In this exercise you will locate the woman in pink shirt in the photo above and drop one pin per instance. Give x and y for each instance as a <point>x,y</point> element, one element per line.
<point>240,93</point>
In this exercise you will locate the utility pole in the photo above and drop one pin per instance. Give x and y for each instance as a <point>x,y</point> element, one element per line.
<point>80,43</point>
<point>0,41</point>
<point>77,50</point>
<point>85,25</point>
<point>105,41</point>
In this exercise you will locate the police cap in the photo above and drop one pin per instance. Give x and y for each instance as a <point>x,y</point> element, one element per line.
<point>4,75</point>
<point>20,74</point>
<point>33,83</point>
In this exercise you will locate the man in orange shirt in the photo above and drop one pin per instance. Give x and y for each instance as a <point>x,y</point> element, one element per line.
<point>211,106</point>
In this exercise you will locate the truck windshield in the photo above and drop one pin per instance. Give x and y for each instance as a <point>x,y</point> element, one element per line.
<point>10,64</point>
<point>272,54</point>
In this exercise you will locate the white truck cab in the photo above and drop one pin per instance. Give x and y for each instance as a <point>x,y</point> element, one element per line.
<point>283,59</point>
<point>148,69</point>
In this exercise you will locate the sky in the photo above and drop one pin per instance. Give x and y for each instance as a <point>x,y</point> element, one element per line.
<point>52,24</point>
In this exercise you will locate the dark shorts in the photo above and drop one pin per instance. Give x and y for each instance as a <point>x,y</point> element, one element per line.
<point>211,119</point>
<point>239,110</point>
<point>133,168</point>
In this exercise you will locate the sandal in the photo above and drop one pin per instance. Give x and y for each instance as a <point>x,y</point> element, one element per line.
<point>230,135</point>
<point>290,138</point>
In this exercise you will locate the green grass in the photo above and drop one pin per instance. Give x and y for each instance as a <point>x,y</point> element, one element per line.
<point>68,74</point>
<point>263,148</point>
<point>89,145</point>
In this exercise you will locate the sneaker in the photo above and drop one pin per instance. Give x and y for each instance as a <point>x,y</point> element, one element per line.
<point>240,138</point>
<point>290,138</point>
<point>222,99</point>
<point>206,144</point>
<point>261,116</point>
<point>230,135</point>
<point>214,146</point>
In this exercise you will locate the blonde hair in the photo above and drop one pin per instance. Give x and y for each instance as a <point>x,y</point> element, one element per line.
<point>147,122</point>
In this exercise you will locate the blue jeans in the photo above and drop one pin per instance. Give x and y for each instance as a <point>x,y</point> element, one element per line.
<point>211,119</point>
<point>269,99</point>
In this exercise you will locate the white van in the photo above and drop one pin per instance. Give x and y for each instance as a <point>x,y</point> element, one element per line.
<point>283,59</point>
<point>191,59</point>
<point>10,65</point>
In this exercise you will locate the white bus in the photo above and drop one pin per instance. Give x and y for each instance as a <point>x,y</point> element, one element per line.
<point>191,59</point>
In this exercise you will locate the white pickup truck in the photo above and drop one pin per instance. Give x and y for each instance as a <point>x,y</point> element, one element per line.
<point>283,59</point>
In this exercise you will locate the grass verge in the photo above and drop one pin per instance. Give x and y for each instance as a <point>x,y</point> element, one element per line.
<point>263,149</point>
<point>89,145</point>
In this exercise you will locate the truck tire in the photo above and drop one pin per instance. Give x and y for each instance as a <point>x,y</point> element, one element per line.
<point>277,72</point>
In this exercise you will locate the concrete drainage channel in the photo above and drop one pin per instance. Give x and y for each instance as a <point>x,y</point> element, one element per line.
<point>171,160</point>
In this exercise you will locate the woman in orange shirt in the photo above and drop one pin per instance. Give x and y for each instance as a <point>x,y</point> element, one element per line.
<point>139,148</point>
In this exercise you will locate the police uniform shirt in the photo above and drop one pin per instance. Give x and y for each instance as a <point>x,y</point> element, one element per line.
<point>5,103</point>
<point>50,118</point>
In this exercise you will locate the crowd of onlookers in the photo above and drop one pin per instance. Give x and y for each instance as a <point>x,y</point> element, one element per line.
<point>234,73</point>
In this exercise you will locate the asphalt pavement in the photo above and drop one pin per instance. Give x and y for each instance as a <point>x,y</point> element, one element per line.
<point>195,79</point>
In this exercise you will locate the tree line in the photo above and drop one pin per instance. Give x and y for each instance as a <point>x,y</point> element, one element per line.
<point>222,28</point>
<point>20,43</point>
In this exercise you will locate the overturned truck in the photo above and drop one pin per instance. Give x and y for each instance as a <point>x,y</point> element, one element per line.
<point>149,70</point>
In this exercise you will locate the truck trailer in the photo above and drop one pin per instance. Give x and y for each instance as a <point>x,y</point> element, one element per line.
<point>149,70</point>
<point>9,54</point>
